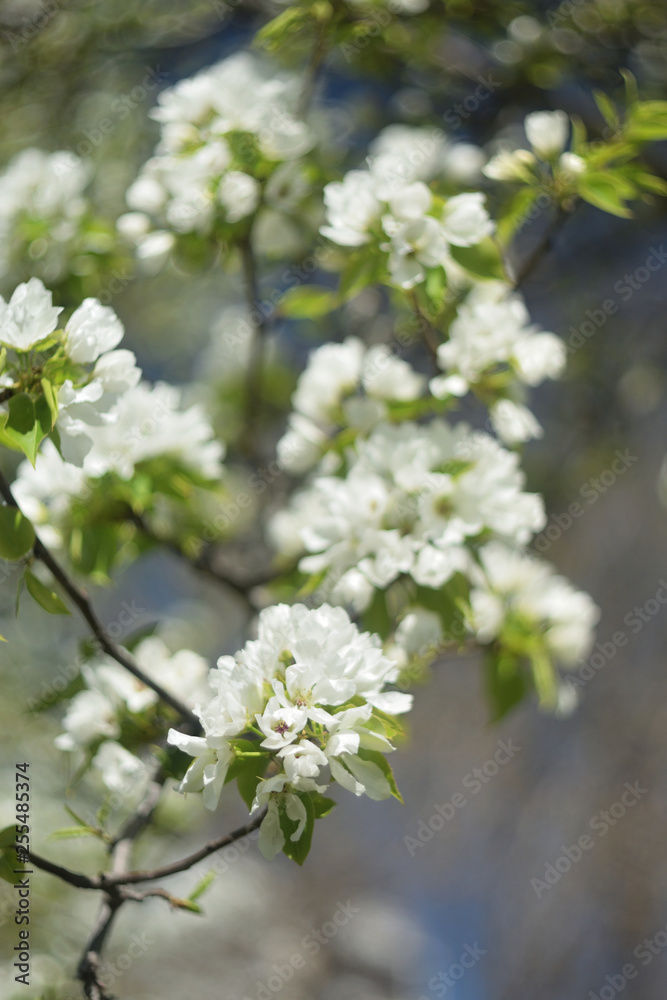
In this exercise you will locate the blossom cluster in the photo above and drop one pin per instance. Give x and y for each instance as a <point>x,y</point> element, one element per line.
<point>412,499</point>
<point>223,133</point>
<point>346,384</point>
<point>494,349</point>
<point>97,716</point>
<point>100,418</point>
<point>42,208</point>
<point>389,206</point>
<point>28,323</point>
<point>547,133</point>
<point>308,699</point>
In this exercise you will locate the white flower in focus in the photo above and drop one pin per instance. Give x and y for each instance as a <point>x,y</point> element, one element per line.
<point>91,330</point>
<point>207,773</point>
<point>280,725</point>
<point>28,317</point>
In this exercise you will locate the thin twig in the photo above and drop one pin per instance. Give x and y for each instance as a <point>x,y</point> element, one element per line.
<point>128,878</point>
<point>81,601</point>
<point>109,881</point>
<point>312,71</point>
<point>77,879</point>
<point>426,328</point>
<point>201,564</point>
<point>260,330</point>
<point>545,243</point>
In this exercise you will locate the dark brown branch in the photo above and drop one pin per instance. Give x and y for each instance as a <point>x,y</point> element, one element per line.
<point>81,601</point>
<point>201,564</point>
<point>128,878</point>
<point>77,879</point>
<point>110,882</point>
<point>544,244</point>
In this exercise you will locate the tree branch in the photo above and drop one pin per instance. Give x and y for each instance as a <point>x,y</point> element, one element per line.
<point>81,601</point>
<point>426,328</point>
<point>201,564</point>
<point>260,330</point>
<point>77,879</point>
<point>128,878</point>
<point>545,243</point>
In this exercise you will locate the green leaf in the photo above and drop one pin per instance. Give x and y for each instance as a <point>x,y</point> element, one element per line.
<point>27,423</point>
<point>631,89</point>
<point>186,904</point>
<point>17,536</point>
<point>446,603</point>
<point>379,759</point>
<point>506,685</point>
<point>202,886</point>
<point>46,598</point>
<point>376,617</point>
<point>298,850</point>
<point>51,397</point>
<point>275,34</point>
<point>70,832</point>
<point>8,836</point>
<point>435,288</point>
<point>308,302</point>
<point>359,272</point>
<point>247,771</point>
<point>7,866</point>
<point>602,191</point>
<point>482,260</point>
<point>647,121</point>
<point>656,185</point>
<point>607,108</point>
<point>516,212</point>
<point>322,805</point>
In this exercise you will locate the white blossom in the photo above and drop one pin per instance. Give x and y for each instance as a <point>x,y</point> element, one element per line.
<point>547,132</point>
<point>512,587</point>
<point>289,683</point>
<point>492,327</point>
<point>28,317</point>
<point>396,512</point>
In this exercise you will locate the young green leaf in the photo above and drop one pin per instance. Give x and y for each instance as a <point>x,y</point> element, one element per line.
<point>16,534</point>
<point>308,302</point>
<point>379,759</point>
<point>27,423</point>
<point>298,850</point>
<point>46,598</point>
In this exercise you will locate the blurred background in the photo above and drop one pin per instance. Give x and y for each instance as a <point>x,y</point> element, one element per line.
<point>378,913</point>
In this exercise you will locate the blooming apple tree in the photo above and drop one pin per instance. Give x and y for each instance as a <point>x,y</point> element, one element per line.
<point>396,529</point>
